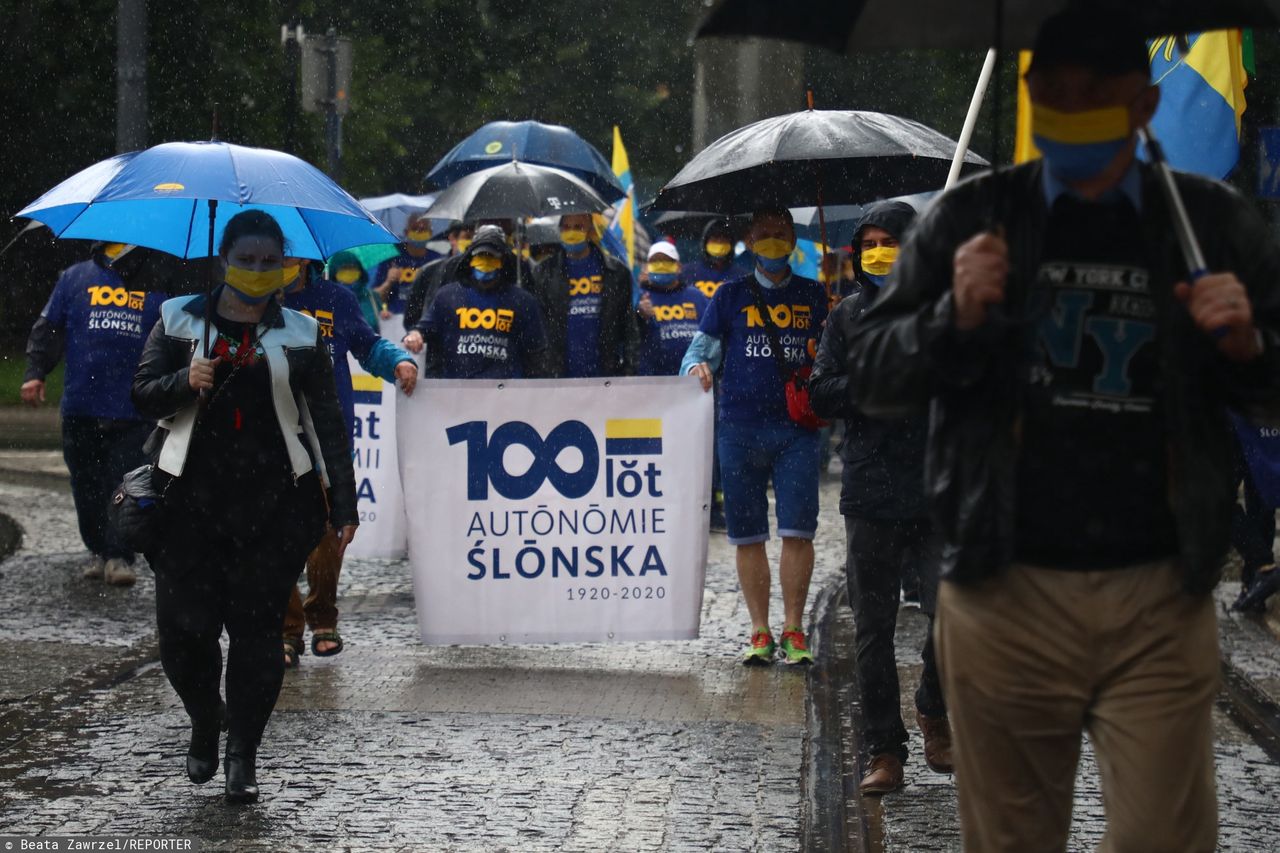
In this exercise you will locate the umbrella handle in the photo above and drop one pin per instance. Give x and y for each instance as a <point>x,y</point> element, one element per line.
<point>208,278</point>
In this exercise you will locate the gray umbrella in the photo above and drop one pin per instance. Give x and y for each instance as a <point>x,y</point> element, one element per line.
<point>515,190</point>
<point>815,156</point>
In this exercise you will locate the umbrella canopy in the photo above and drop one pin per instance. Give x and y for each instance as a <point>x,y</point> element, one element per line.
<point>850,25</point>
<point>529,142</point>
<point>516,190</point>
<point>841,222</point>
<point>159,198</point>
<point>395,209</point>
<point>848,156</point>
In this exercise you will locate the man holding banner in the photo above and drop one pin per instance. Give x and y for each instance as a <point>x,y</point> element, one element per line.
<point>755,328</point>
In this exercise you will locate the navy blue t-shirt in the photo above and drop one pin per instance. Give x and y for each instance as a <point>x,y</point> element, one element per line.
<point>409,265</point>
<point>751,387</point>
<point>586,286</point>
<point>665,337</point>
<point>105,326</point>
<point>343,328</point>
<point>708,278</point>
<point>485,334</point>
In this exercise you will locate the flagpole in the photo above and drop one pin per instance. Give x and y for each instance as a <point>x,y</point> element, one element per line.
<point>971,120</point>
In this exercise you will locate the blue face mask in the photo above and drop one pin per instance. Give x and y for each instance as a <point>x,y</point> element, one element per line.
<point>772,265</point>
<point>663,279</point>
<point>1078,161</point>
<point>876,280</point>
<point>481,275</point>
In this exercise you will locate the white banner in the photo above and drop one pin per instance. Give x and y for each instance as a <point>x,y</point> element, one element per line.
<point>557,510</point>
<point>380,500</point>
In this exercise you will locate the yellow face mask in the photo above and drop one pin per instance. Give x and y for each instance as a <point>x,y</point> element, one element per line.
<point>772,248</point>
<point>718,248</point>
<point>664,267</point>
<point>347,275</point>
<point>257,284</point>
<point>464,243</point>
<point>879,261</point>
<point>419,235</point>
<point>1107,124</point>
<point>573,237</point>
<point>113,250</point>
<point>485,263</point>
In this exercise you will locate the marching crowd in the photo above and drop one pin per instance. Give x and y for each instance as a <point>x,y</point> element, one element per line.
<point>1033,399</point>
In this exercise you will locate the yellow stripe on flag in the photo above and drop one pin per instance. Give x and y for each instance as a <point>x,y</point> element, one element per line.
<point>1219,59</point>
<point>1023,148</point>
<point>633,428</point>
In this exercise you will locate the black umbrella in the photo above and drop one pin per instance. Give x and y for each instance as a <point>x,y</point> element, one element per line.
<point>515,190</point>
<point>849,25</point>
<point>812,157</point>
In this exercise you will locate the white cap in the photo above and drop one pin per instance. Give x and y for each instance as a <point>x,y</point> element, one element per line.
<point>664,247</point>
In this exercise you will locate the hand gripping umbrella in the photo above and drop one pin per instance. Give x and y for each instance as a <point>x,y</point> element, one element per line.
<point>532,142</point>
<point>162,198</point>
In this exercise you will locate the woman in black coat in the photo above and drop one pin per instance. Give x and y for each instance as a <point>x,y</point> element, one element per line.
<point>248,440</point>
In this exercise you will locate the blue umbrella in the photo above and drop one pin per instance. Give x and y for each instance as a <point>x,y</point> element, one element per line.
<point>163,198</point>
<point>553,145</point>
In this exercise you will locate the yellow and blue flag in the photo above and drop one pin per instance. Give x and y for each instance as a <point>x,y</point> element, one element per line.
<point>1201,100</point>
<point>621,234</point>
<point>806,258</point>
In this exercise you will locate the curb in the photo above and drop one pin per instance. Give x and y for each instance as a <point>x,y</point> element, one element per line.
<point>826,822</point>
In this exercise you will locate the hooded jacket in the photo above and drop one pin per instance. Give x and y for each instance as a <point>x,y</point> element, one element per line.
<point>883,457</point>
<point>906,354</point>
<point>619,335</point>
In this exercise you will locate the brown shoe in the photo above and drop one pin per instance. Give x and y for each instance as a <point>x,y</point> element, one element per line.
<point>937,742</point>
<point>884,775</point>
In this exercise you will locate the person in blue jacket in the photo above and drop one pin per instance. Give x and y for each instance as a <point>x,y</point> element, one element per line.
<point>346,269</point>
<point>669,311</point>
<point>344,329</point>
<point>481,326</point>
<point>393,278</point>
<point>717,263</point>
<point>102,325</point>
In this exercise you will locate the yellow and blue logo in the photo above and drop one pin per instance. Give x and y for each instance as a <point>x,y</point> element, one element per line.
<point>633,437</point>
<point>366,390</point>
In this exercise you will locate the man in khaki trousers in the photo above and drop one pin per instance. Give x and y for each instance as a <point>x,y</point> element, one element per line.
<point>1080,463</point>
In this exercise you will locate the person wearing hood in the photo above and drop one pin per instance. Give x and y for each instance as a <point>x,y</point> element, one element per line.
<point>346,269</point>
<point>428,280</point>
<point>585,296</point>
<point>101,324</point>
<point>887,527</point>
<point>343,330</point>
<point>669,311</point>
<point>717,264</point>
<point>252,460</point>
<point>481,326</point>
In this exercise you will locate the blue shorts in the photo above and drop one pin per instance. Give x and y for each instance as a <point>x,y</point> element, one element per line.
<point>752,453</point>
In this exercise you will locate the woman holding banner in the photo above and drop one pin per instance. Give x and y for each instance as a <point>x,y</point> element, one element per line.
<point>248,439</point>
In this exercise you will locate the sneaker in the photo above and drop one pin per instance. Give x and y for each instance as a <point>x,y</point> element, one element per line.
<point>93,568</point>
<point>794,648</point>
<point>762,649</point>
<point>119,573</point>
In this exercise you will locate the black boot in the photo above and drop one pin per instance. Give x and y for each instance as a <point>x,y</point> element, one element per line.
<point>242,777</point>
<point>202,755</point>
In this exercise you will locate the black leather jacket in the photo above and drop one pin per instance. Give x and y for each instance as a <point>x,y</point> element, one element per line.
<point>161,390</point>
<point>906,354</point>
<point>883,474</point>
<point>619,333</point>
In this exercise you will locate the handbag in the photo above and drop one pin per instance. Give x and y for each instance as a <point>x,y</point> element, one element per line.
<point>795,381</point>
<point>134,511</point>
